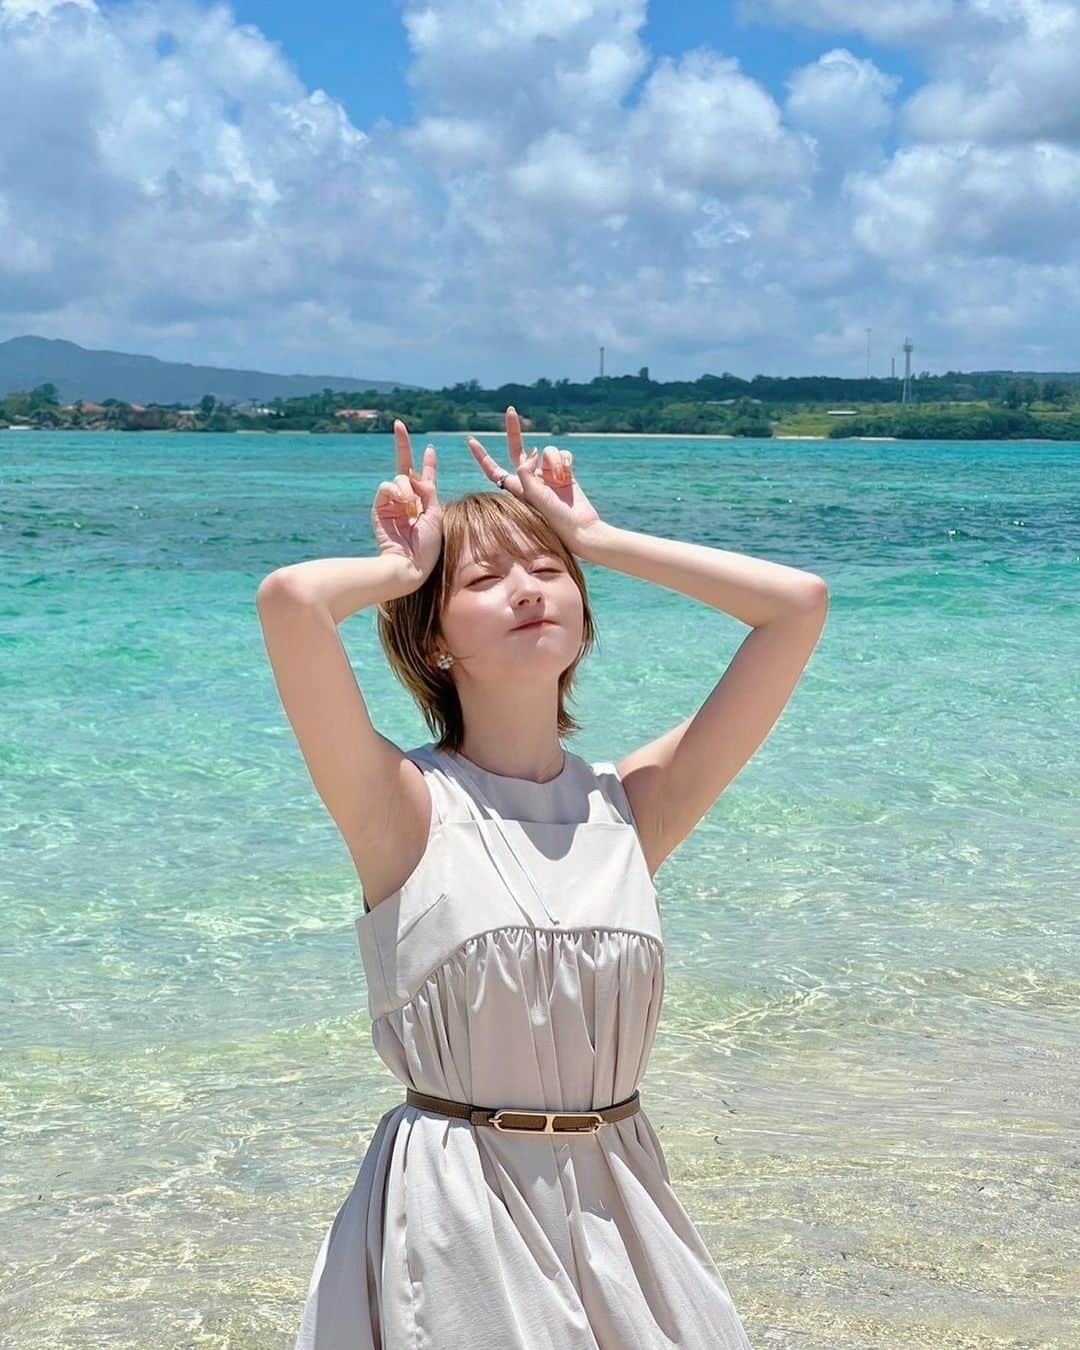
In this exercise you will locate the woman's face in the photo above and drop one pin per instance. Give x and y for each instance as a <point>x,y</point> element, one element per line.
<point>489,597</point>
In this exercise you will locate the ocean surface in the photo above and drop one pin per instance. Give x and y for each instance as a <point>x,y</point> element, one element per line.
<point>867,1073</point>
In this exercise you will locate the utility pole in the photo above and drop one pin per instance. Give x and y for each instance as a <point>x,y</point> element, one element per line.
<point>601,363</point>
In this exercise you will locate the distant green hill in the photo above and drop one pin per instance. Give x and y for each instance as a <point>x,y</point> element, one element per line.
<point>44,378</point>
<point>83,373</point>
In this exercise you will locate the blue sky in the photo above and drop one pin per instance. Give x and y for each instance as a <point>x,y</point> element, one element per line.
<point>440,190</point>
<point>365,65</point>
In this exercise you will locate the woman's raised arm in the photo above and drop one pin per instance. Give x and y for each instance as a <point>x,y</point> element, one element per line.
<point>673,780</point>
<point>374,793</point>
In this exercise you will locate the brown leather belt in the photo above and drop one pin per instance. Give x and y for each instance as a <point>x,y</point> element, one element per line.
<point>511,1121</point>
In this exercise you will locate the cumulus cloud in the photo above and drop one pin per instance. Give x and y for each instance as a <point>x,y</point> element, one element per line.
<point>168,182</point>
<point>165,162</point>
<point>21,9</point>
<point>1021,202</point>
<point>845,104</point>
<point>563,64</point>
<point>1001,70</point>
<point>706,125</point>
<point>1017,83</point>
<point>895,22</point>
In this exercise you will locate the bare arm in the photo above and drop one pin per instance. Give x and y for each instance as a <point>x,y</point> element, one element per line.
<point>751,589</point>
<point>343,586</point>
<point>375,794</point>
<point>672,781</point>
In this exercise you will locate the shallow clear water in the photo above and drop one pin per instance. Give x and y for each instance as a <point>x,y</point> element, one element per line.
<point>866,1074</point>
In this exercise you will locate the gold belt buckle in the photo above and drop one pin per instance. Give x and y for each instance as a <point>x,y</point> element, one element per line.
<point>548,1118</point>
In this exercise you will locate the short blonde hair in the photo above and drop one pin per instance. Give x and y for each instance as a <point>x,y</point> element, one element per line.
<point>408,625</point>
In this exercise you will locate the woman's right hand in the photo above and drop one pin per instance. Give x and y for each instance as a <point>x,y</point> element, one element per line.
<point>407,516</point>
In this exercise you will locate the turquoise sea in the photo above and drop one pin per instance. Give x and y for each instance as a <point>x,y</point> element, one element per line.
<point>867,1073</point>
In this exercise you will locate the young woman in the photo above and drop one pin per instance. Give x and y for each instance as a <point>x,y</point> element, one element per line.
<point>518,1197</point>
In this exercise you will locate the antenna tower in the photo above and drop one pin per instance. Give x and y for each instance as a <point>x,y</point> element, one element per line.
<point>908,349</point>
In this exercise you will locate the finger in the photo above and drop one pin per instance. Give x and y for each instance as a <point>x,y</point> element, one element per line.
<point>430,464</point>
<point>424,482</point>
<point>513,435</point>
<point>394,504</point>
<point>402,448</point>
<point>559,461</point>
<point>407,510</point>
<point>408,493</point>
<point>388,497</point>
<point>491,467</point>
<point>531,465</point>
<point>391,490</point>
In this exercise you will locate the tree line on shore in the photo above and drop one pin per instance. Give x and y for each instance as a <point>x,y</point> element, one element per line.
<point>975,405</point>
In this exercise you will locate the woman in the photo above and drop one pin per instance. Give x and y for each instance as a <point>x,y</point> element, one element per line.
<point>518,1198</point>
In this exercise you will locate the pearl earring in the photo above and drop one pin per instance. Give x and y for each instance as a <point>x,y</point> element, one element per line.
<point>444,661</point>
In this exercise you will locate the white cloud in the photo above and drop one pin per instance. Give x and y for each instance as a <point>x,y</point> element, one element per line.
<point>11,10</point>
<point>202,184</point>
<point>705,125</point>
<point>454,143</point>
<point>1017,202</point>
<point>1018,83</point>
<point>558,172</point>
<point>168,182</point>
<point>999,69</point>
<point>564,64</point>
<point>845,104</point>
<point>885,21</point>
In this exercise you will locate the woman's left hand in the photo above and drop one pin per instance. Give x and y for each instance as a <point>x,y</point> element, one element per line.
<point>545,479</point>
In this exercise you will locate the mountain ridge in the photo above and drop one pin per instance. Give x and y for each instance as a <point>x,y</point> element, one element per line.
<point>95,374</point>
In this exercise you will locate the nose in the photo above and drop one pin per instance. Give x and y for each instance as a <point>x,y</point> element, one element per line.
<point>526,574</point>
<point>527,586</point>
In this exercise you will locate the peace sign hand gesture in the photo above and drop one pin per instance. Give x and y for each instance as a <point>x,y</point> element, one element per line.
<point>543,479</point>
<point>407,514</point>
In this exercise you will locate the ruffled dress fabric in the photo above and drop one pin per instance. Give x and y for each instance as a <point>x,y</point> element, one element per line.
<point>521,965</point>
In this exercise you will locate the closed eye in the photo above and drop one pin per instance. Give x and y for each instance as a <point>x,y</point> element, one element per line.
<point>491,576</point>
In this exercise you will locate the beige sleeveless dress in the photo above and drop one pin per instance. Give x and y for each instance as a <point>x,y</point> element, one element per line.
<point>521,964</point>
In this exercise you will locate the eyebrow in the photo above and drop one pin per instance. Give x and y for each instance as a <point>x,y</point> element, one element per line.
<point>487,561</point>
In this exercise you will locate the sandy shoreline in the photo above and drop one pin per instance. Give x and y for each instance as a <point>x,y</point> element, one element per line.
<point>562,436</point>
<point>652,435</point>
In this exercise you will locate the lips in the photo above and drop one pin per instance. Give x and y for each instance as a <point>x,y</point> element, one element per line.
<point>533,623</point>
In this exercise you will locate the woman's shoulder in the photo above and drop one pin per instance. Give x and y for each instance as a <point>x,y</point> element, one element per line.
<point>606,774</point>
